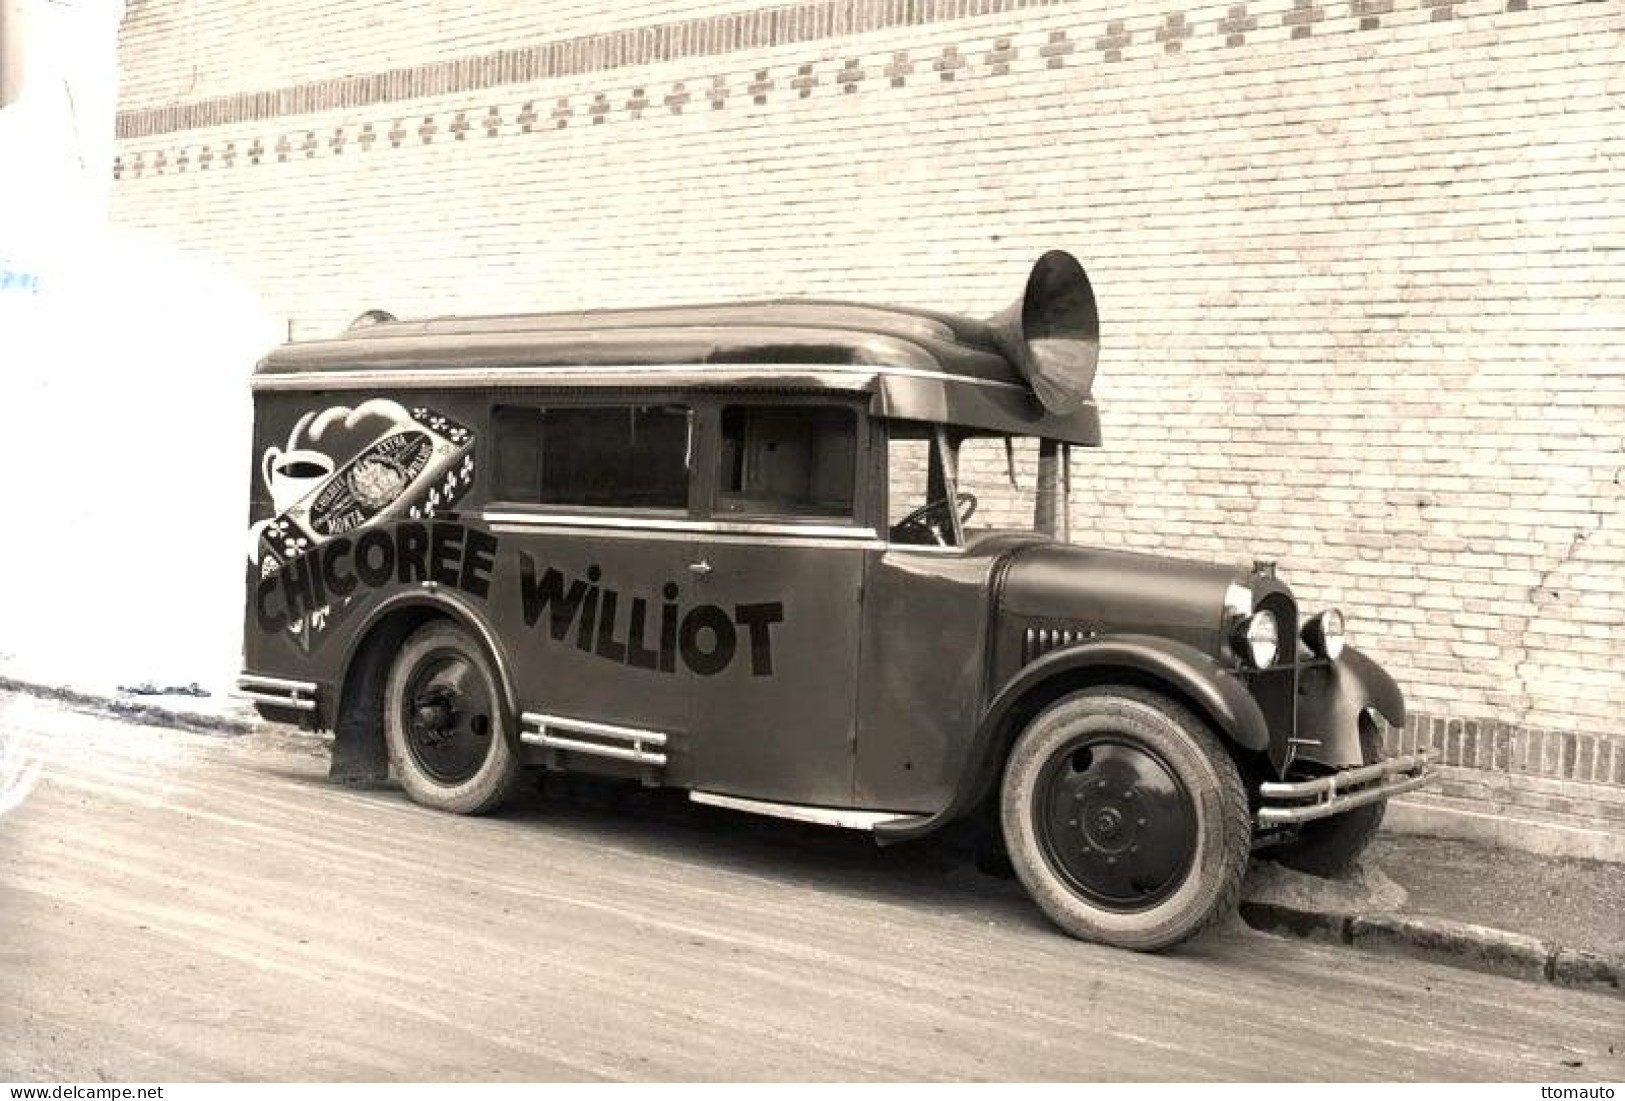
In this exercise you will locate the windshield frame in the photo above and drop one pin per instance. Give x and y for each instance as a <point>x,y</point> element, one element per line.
<point>1051,490</point>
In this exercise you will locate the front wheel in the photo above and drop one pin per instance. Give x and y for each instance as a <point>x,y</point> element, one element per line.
<point>1125,818</point>
<point>445,723</point>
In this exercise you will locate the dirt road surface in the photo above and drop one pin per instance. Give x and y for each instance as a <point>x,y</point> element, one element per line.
<point>176,907</point>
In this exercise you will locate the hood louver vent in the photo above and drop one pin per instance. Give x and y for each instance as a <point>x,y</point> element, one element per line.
<point>1038,641</point>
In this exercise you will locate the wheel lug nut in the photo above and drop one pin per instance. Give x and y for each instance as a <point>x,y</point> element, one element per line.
<point>1072,821</point>
<point>1141,821</point>
<point>1111,860</point>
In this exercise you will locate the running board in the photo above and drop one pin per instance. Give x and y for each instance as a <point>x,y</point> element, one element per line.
<point>616,743</point>
<point>296,695</point>
<point>823,816</point>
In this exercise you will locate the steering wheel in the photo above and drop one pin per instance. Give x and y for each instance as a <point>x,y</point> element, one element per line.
<point>934,519</point>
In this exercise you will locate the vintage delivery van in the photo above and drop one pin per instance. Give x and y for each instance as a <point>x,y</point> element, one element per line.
<point>735,550</point>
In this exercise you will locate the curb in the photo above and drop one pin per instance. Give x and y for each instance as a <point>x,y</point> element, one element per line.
<point>174,718</point>
<point>1452,943</point>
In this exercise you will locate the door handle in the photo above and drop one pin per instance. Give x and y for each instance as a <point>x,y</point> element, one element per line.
<point>702,568</point>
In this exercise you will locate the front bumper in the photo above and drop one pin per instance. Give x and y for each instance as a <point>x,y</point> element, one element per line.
<point>1306,800</point>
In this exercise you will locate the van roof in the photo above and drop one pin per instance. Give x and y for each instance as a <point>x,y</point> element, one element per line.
<point>916,364</point>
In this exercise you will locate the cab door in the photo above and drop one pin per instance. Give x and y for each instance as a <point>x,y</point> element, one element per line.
<point>778,588</point>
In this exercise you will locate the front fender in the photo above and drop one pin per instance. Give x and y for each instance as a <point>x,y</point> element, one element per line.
<point>1179,669</point>
<point>1331,716</point>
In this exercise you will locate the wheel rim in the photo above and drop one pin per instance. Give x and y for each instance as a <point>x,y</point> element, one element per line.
<point>1115,822</point>
<point>448,713</point>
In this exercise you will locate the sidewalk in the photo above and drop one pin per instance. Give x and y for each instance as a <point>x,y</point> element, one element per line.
<point>1506,911</point>
<point>1462,903</point>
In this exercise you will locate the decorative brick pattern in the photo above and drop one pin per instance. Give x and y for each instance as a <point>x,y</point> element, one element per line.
<point>850,76</point>
<point>1303,17</point>
<point>1055,51</point>
<point>1236,23</point>
<point>804,82</point>
<point>1114,41</point>
<point>900,68</point>
<point>759,87</point>
<point>1370,12</point>
<point>999,58</point>
<point>706,36</point>
<point>1173,32</point>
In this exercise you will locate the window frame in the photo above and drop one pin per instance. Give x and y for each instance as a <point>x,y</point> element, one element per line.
<point>617,399</point>
<point>707,470</point>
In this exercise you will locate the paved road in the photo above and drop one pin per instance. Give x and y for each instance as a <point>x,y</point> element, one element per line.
<point>175,907</point>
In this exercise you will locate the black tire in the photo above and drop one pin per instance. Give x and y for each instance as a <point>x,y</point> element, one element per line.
<point>447,729</point>
<point>1162,832</point>
<point>1331,847</point>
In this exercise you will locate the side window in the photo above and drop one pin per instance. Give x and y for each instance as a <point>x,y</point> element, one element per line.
<point>598,456</point>
<point>788,460</point>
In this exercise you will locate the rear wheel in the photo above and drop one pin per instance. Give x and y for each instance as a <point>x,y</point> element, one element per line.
<point>1125,818</point>
<point>445,723</point>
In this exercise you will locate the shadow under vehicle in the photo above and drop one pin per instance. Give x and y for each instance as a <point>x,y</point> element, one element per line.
<point>733,550</point>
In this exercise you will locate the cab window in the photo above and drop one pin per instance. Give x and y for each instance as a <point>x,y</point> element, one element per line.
<point>787,460</point>
<point>595,456</point>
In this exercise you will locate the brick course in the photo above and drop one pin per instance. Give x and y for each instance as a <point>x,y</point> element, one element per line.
<point>1361,265</point>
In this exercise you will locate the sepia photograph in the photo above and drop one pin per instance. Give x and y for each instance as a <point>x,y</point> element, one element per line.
<point>838,541</point>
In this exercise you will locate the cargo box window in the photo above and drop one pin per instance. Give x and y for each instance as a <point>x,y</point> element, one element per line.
<point>787,460</point>
<point>598,456</point>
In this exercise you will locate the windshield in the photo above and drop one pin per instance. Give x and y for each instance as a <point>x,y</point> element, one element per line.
<point>1004,483</point>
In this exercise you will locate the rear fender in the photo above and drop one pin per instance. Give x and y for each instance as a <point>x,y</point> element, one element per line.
<point>359,755</point>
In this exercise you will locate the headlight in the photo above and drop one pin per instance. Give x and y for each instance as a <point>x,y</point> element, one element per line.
<point>1260,638</point>
<point>1324,634</point>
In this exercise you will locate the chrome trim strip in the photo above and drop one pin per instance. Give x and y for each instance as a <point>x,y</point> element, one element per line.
<point>293,703</point>
<point>603,730</point>
<point>823,816</point>
<point>296,695</point>
<point>1344,791</point>
<point>634,737</point>
<point>1238,601</point>
<point>559,374</point>
<point>652,523</point>
<point>593,749</point>
<point>1308,812</point>
<point>1348,778</point>
<point>708,538</point>
<point>922,548</point>
<point>254,680</point>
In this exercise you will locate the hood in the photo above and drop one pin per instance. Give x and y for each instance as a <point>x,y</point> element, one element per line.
<point>1108,592</point>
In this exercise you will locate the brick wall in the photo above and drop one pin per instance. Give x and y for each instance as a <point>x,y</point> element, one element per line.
<point>1361,265</point>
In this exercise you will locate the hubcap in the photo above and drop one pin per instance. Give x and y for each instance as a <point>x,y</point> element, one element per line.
<point>1115,823</point>
<point>447,715</point>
